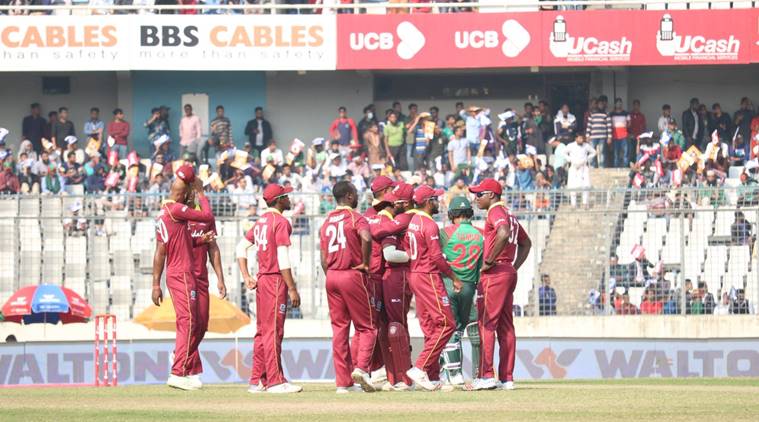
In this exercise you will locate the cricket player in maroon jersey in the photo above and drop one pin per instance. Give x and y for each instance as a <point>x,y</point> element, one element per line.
<point>270,236</point>
<point>391,232</point>
<point>174,248</point>
<point>506,248</point>
<point>432,306</point>
<point>381,357</point>
<point>346,248</point>
<point>205,247</point>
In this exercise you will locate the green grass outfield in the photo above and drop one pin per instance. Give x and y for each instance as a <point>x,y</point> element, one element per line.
<point>624,400</point>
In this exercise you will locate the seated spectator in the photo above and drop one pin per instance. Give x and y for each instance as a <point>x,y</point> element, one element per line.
<point>9,183</point>
<point>242,195</point>
<point>72,170</point>
<point>95,182</point>
<point>740,230</point>
<point>546,297</point>
<point>29,182</point>
<point>272,155</point>
<point>27,149</point>
<point>738,150</point>
<point>74,224</point>
<point>649,305</point>
<point>740,305</point>
<point>50,182</point>
<point>707,299</point>
<point>71,146</point>
<point>621,274</point>
<point>670,305</point>
<point>625,307</point>
<point>748,191</point>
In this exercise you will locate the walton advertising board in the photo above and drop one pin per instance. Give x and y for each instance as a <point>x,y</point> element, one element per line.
<point>227,361</point>
<point>399,41</point>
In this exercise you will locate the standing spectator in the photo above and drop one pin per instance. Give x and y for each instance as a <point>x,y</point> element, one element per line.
<point>545,120</point>
<point>546,297</point>
<point>721,122</point>
<point>475,127</point>
<point>393,136</point>
<point>704,119</point>
<point>531,132</point>
<point>413,111</point>
<point>33,127</point>
<point>560,158</point>
<point>366,121</point>
<point>723,308</point>
<point>741,305</point>
<point>93,128</point>
<point>598,132</point>
<point>665,118</point>
<point>649,305</point>
<point>625,307</point>
<point>190,133</point>
<point>637,127</point>
<point>580,155</point>
<point>343,129</point>
<point>118,129</point>
<point>158,123</point>
<point>620,132</point>
<point>62,128</point>
<point>692,125</point>
<point>221,133</point>
<point>707,299</point>
<point>259,131</point>
<point>754,132</point>
<point>458,148</point>
<point>9,183</point>
<point>422,130</point>
<point>509,133</point>
<point>52,118</point>
<point>743,117</point>
<point>565,125</point>
<point>374,147</point>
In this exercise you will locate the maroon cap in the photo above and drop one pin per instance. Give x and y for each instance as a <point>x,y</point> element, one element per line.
<point>401,192</point>
<point>487,185</point>
<point>186,173</point>
<point>424,192</point>
<point>382,182</point>
<point>272,191</point>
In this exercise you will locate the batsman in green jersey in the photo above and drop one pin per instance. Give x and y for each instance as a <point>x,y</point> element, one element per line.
<point>462,246</point>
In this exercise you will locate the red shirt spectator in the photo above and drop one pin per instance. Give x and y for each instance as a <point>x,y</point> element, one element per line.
<point>343,129</point>
<point>637,123</point>
<point>672,152</point>
<point>651,307</point>
<point>118,129</point>
<point>625,307</point>
<point>8,179</point>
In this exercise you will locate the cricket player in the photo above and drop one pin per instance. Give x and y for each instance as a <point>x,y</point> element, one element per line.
<point>462,246</point>
<point>346,248</point>
<point>270,237</point>
<point>391,232</point>
<point>505,239</point>
<point>174,248</point>
<point>432,304</point>
<point>375,215</point>
<point>202,252</point>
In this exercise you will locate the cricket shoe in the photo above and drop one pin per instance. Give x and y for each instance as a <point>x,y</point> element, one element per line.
<point>195,381</point>
<point>362,378</point>
<point>181,383</point>
<point>508,385</point>
<point>284,388</point>
<point>355,388</point>
<point>480,384</point>
<point>379,377</point>
<point>402,386</point>
<point>421,379</point>
<point>257,389</point>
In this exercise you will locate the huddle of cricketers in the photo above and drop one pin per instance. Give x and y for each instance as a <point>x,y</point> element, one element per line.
<point>374,265</point>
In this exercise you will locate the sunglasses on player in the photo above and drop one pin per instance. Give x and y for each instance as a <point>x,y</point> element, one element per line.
<point>481,194</point>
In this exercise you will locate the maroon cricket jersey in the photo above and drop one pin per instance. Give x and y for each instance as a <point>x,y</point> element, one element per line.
<point>393,232</point>
<point>498,215</point>
<point>270,231</point>
<point>376,220</point>
<point>340,238</point>
<point>423,238</point>
<point>200,250</point>
<point>172,231</point>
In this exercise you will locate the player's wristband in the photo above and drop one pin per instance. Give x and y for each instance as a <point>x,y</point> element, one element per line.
<point>156,287</point>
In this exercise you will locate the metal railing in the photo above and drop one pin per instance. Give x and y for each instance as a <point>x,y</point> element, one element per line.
<point>379,7</point>
<point>687,234</point>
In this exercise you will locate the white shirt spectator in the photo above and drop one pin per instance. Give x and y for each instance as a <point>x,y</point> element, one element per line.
<point>459,148</point>
<point>578,176</point>
<point>276,156</point>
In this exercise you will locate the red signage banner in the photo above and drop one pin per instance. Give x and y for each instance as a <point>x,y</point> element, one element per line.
<point>548,39</point>
<point>426,41</point>
<point>754,34</point>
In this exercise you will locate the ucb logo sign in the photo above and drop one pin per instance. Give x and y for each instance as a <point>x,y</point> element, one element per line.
<point>515,39</point>
<point>408,40</point>
<point>685,47</point>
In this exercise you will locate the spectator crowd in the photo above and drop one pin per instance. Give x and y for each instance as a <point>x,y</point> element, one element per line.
<point>533,149</point>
